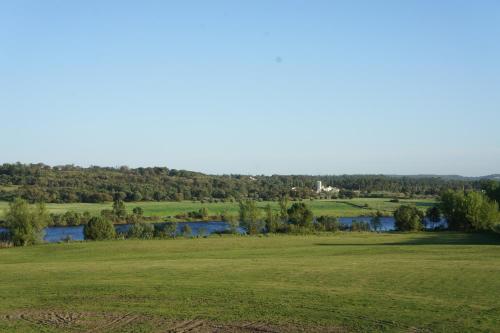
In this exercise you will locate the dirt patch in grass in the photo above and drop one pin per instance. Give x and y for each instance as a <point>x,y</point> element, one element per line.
<point>90,322</point>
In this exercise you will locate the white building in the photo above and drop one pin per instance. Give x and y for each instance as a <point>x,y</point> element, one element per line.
<point>329,189</point>
<point>319,186</point>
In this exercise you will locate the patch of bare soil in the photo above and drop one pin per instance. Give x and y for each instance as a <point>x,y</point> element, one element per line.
<point>106,322</point>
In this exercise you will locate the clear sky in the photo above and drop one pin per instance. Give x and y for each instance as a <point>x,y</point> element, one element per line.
<point>259,87</point>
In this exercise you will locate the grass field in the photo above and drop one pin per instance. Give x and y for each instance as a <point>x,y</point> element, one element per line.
<point>340,207</point>
<point>366,282</point>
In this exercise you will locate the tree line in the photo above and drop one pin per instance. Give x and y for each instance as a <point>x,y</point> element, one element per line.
<point>67,184</point>
<point>467,211</point>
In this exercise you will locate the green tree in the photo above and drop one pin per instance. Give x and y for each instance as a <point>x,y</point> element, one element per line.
<point>250,217</point>
<point>433,214</point>
<point>376,221</point>
<point>300,215</point>
<point>141,230</point>
<point>138,211</point>
<point>271,219</point>
<point>481,212</point>
<point>232,222</point>
<point>71,218</point>
<point>186,230</point>
<point>283,204</point>
<point>203,213</point>
<point>452,205</point>
<point>328,223</point>
<point>492,189</point>
<point>166,230</point>
<point>408,218</point>
<point>26,224</point>
<point>99,228</point>
<point>119,210</point>
<point>469,211</point>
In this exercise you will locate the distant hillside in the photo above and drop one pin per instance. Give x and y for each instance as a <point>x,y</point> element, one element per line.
<point>39,182</point>
<point>452,177</point>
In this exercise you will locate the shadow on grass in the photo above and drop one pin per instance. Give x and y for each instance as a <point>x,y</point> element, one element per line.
<point>435,238</point>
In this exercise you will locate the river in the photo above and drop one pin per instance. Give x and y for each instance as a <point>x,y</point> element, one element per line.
<point>57,234</point>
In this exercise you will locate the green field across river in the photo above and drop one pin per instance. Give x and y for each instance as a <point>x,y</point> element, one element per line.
<point>337,207</point>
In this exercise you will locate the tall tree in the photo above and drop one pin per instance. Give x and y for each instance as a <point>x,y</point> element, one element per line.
<point>99,228</point>
<point>376,221</point>
<point>408,218</point>
<point>299,214</point>
<point>283,203</point>
<point>119,210</point>
<point>250,217</point>
<point>469,211</point>
<point>26,224</point>
<point>271,219</point>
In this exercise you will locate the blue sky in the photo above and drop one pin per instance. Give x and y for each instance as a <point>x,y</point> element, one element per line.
<point>259,87</point>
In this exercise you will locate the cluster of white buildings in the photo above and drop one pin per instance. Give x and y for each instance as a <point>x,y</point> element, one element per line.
<point>320,188</point>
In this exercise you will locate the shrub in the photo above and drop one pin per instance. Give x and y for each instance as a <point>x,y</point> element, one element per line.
<point>138,211</point>
<point>166,230</point>
<point>469,211</point>
<point>99,228</point>
<point>26,224</point>
<point>202,213</point>
<point>272,220</point>
<point>327,223</point>
<point>376,221</point>
<point>360,226</point>
<point>186,230</point>
<point>433,214</point>
<point>233,223</point>
<point>250,217</point>
<point>141,230</point>
<point>408,218</point>
<point>299,214</point>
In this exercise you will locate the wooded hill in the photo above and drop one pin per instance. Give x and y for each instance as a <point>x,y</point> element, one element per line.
<point>69,183</point>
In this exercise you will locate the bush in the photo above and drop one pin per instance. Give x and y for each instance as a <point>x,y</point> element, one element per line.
<point>299,214</point>
<point>141,230</point>
<point>376,221</point>
<point>166,230</point>
<point>250,217</point>
<point>327,223</point>
<point>360,226</point>
<point>26,224</point>
<point>99,228</point>
<point>408,218</point>
<point>433,214</point>
<point>469,211</point>
<point>186,230</point>
<point>202,213</point>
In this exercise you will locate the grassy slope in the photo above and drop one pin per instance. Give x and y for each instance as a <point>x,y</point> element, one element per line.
<point>339,207</point>
<point>444,282</point>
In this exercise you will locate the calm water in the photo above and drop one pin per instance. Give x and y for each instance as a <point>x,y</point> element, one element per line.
<point>57,234</point>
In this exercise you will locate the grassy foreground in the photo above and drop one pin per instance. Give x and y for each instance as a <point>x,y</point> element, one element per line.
<point>439,282</point>
<point>338,207</point>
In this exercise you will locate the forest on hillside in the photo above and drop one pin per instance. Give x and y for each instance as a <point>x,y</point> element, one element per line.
<point>69,183</point>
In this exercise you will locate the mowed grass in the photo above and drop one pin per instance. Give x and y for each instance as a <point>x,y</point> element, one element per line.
<point>339,207</point>
<point>366,282</point>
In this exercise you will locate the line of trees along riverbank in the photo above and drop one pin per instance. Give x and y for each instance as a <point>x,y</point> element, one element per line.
<point>66,184</point>
<point>464,211</point>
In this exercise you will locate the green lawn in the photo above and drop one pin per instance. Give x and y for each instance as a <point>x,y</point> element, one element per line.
<point>427,282</point>
<point>340,207</point>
